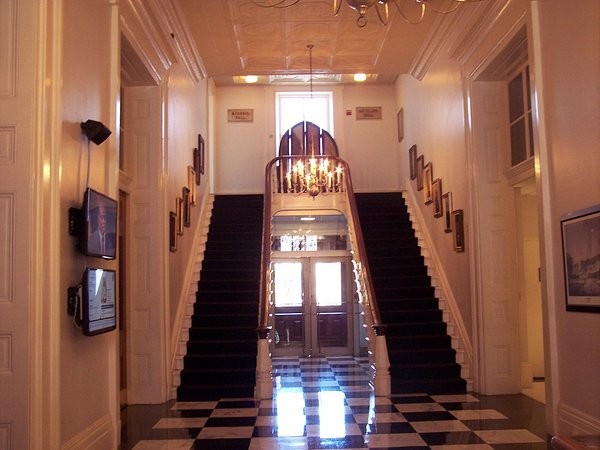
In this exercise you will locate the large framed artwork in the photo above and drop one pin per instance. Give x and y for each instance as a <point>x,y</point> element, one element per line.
<point>580,232</point>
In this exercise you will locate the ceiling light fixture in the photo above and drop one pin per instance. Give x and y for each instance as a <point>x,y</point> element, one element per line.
<point>250,78</point>
<point>360,77</point>
<point>414,17</point>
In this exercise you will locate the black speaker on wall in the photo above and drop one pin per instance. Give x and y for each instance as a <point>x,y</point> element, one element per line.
<point>95,131</point>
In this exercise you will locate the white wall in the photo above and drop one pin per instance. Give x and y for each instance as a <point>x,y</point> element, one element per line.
<point>242,150</point>
<point>567,74</point>
<point>433,120</point>
<point>88,365</point>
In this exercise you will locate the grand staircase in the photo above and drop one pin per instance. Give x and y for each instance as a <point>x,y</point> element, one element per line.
<point>221,351</point>
<point>420,352</point>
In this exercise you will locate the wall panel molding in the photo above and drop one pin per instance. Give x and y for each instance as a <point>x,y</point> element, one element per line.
<point>7,145</point>
<point>6,247</point>
<point>8,48</point>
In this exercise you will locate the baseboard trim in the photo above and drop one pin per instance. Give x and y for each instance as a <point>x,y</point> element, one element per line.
<point>100,435</point>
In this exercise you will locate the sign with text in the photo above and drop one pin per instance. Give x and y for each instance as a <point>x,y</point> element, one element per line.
<point>368,113</point>
<point>240,115</point>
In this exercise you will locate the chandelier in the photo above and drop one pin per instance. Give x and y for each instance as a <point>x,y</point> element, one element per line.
<point>314,175</point>
<point>415,16</point>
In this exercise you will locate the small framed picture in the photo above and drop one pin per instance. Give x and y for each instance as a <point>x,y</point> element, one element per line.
<point>459,230</point>
<point>400,121</point>
<point>192,184</point>
<point>179,212</point>
<point>187,211</point>
<point>438,207</point>
<point>420,166</point>
<point>197,165</point>
<point>428,183</point>
<point>202,150</point>
<point>172,231</point>
<point>447,211</point>
<point>412,161</point>
<point>580,231</point>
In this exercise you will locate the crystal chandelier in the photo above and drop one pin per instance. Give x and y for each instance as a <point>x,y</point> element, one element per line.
<point>413,14</point>
<point>314,175</point>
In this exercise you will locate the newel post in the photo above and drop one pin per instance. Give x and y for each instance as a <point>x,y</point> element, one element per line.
<point>381,376</point>
<point>264,368</point>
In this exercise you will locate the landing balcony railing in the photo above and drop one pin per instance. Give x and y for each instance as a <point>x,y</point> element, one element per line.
<point>314,176</point>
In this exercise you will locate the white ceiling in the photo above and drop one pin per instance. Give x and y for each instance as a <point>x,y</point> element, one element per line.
<point>237,37</point>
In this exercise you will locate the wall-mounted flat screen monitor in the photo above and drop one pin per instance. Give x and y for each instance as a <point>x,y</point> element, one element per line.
<point>99,231</point>
<point>98,302</point>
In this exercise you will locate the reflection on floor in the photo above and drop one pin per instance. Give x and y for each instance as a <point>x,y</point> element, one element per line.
<point>327,403</point>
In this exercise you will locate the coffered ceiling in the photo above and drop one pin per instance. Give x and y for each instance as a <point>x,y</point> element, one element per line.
<point>237,37</point>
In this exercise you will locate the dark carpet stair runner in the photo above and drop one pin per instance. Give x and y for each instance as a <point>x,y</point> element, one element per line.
<point>421,355</point>
<point>221,351</point>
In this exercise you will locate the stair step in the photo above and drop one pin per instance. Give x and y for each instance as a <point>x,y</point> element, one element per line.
<point>225,320</point>
<point>206,307</point>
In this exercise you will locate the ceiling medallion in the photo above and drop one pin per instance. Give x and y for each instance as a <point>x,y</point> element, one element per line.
<point>416,16</point>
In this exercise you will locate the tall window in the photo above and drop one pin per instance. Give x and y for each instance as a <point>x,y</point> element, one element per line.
<point>294,107</point>
<point>519,106</point>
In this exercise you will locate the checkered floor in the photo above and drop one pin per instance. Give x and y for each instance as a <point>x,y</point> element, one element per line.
<point>327,403</point>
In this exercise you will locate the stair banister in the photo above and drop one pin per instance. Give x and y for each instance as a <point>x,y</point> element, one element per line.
<point>381,377</point>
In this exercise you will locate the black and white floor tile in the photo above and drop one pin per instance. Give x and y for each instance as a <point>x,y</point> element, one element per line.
<point>326,403</point>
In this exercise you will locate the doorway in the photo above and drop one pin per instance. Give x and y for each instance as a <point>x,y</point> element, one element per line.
<point>313,308</point>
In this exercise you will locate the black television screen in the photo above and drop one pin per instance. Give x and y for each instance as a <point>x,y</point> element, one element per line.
<point>98,302</point>
<point>99,231</point>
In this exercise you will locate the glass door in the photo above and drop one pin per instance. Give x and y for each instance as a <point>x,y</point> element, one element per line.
<point>313,311</point>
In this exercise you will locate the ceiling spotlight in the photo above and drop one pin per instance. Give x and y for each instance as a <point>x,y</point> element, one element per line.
<point>360,76</point>
<point>250,78</point>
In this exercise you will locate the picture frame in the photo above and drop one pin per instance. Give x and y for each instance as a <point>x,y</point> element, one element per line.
<point>201,147</point>
<point>400,123</point>
<point>420,167</point>
<point>459,230</point>
<point>187,212</point>
<point>179,212</point>
<point>196,165</point>
<point>428,183</point>
<point>438,207</point>
<point>172,231</point>
<point>412,161</point>
<point>447,213</point>
<point>192,185</point>
<point>581,256</point>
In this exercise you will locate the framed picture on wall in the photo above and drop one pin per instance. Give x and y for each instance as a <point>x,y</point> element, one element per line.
<point>179,212</point>
<point>580,232</point>
<point>400,122</point>
<point>192,184</point>
<point>447,207</point>
<point>202,150</point>
<point>459,230</point>
<point>172,231</point>
<point>412,161</point>
<point>428,183</point>
<point>420,166</point>
<point>438,207</point>
<point>197,166</point>
<point>187,210</point>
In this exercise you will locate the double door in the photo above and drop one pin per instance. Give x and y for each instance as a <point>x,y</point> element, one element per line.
<point>313,308</point>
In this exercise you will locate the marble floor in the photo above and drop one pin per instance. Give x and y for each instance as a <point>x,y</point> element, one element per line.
<point>326,403</point>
